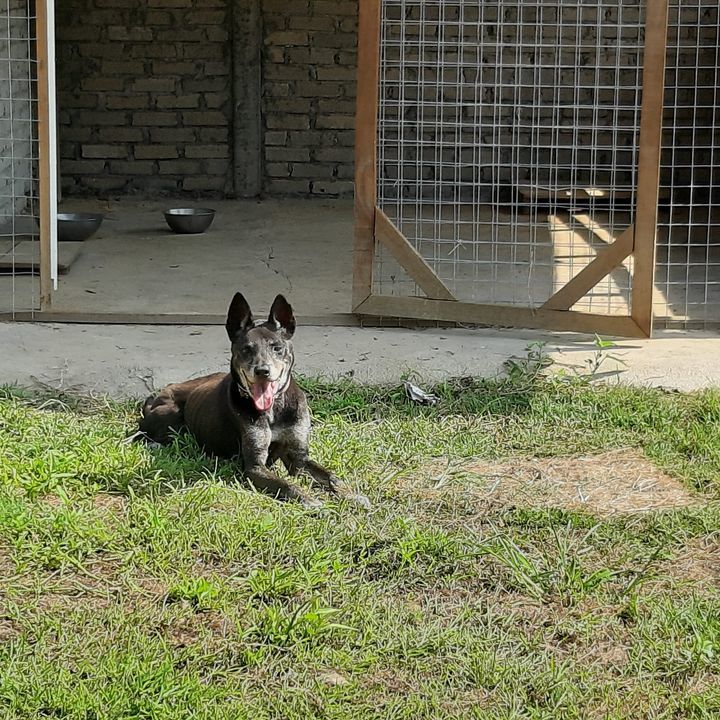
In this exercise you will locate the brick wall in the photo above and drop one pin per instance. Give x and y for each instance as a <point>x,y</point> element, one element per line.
<point>147,93</point>
<point>309,60</point>
<point>144,96</point>
<point>15,120</point>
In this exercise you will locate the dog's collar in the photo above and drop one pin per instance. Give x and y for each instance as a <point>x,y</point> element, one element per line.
<point>240,384</point>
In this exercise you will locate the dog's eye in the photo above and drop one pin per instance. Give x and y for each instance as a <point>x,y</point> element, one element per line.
<point>246,349</point>
<point>277,349</point>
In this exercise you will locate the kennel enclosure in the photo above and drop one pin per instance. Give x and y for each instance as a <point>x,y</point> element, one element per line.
<point>512,167</point>
<point>541,164</point>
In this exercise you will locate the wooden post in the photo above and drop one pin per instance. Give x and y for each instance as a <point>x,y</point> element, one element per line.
<point>44,169</point>
<point>368,76</point>
<point>648,179</point>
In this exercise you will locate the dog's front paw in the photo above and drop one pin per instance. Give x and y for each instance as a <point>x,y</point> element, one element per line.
<point>311,503</point>
<point>359,500</point>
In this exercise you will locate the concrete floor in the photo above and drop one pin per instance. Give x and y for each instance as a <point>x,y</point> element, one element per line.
<point>303,248</point>
<point>135,264</point>
<point>489,255</point>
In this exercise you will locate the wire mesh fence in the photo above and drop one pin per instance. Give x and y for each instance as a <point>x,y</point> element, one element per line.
<point>687,275</point>
<point>19,203</point>
<point>508,138</point>
<point>507,143</point>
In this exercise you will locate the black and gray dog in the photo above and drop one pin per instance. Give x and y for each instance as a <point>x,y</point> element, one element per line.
<point>255,412</point>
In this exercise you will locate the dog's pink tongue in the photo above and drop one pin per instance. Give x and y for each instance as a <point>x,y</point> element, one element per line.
<point>263,395</point>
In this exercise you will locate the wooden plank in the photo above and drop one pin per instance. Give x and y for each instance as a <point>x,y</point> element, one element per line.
<point>409,258</point>
<point>499,316</point>
<point>116,318</point>
<point>532,193</point>
<point>606,260</point>
<point>368,78</point>
<point>23,256</point>
<point>44,169</point>
<point>649,163</point>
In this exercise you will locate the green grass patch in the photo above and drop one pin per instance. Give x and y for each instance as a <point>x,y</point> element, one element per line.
<point>143,583</point>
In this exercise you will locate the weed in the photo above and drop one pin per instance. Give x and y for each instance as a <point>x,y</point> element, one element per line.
<point>200,592</point>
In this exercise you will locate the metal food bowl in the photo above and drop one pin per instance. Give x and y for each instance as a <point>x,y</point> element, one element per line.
<point>189,220</point>
<point>76,227</point>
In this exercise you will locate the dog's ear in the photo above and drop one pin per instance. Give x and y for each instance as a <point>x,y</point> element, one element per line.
<point>281,314</point>
<point>239,316</point>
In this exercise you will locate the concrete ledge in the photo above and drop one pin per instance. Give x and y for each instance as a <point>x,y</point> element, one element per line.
<point>130,360</point>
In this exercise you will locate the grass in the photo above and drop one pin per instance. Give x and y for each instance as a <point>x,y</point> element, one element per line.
<point>139,583</point>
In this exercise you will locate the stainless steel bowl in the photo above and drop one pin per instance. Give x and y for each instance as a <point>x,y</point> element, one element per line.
<point>189,220</point>
<point>76,227</point>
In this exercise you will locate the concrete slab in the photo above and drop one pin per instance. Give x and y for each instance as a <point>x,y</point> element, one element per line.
<point>128,361</point>
<point>303,248</point>
<point>135,264</point>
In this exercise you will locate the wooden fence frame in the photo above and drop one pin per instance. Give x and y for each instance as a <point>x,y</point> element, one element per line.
<point>44,163</point>
<point>372,226</point>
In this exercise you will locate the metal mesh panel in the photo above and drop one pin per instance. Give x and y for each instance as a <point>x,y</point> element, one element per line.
<point>507,143</point>
<point>19,207</point>
<point>687,277</point>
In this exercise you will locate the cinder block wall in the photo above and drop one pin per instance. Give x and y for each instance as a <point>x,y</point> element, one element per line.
<point>309,61</point>
<point>536,93</point>
<point>144,93</point>
<point>147,93</point>
<point>15,120</point>
<point>690,126</point>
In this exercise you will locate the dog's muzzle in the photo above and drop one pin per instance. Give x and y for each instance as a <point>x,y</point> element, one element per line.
<point>261,390</point>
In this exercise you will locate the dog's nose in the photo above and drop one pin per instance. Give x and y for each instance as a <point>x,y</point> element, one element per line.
<point>262,371</point>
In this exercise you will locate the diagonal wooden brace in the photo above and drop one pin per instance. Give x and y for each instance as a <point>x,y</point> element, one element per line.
<point>409,258</point>
<point>607,259</point>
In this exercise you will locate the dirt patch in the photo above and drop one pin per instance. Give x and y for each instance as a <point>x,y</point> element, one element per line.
<point>696,563</point>
<point>332,678</point>
<point>391,681</point>
<point>610,654</point>
<point>8,630</point>
<point>7,566</point>
<point>199,627</point>
<point>618,482</point>
<point>102,501</point>
<point>113,503</point>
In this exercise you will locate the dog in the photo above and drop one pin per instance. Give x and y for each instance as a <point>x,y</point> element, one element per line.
<point>255,412</point>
